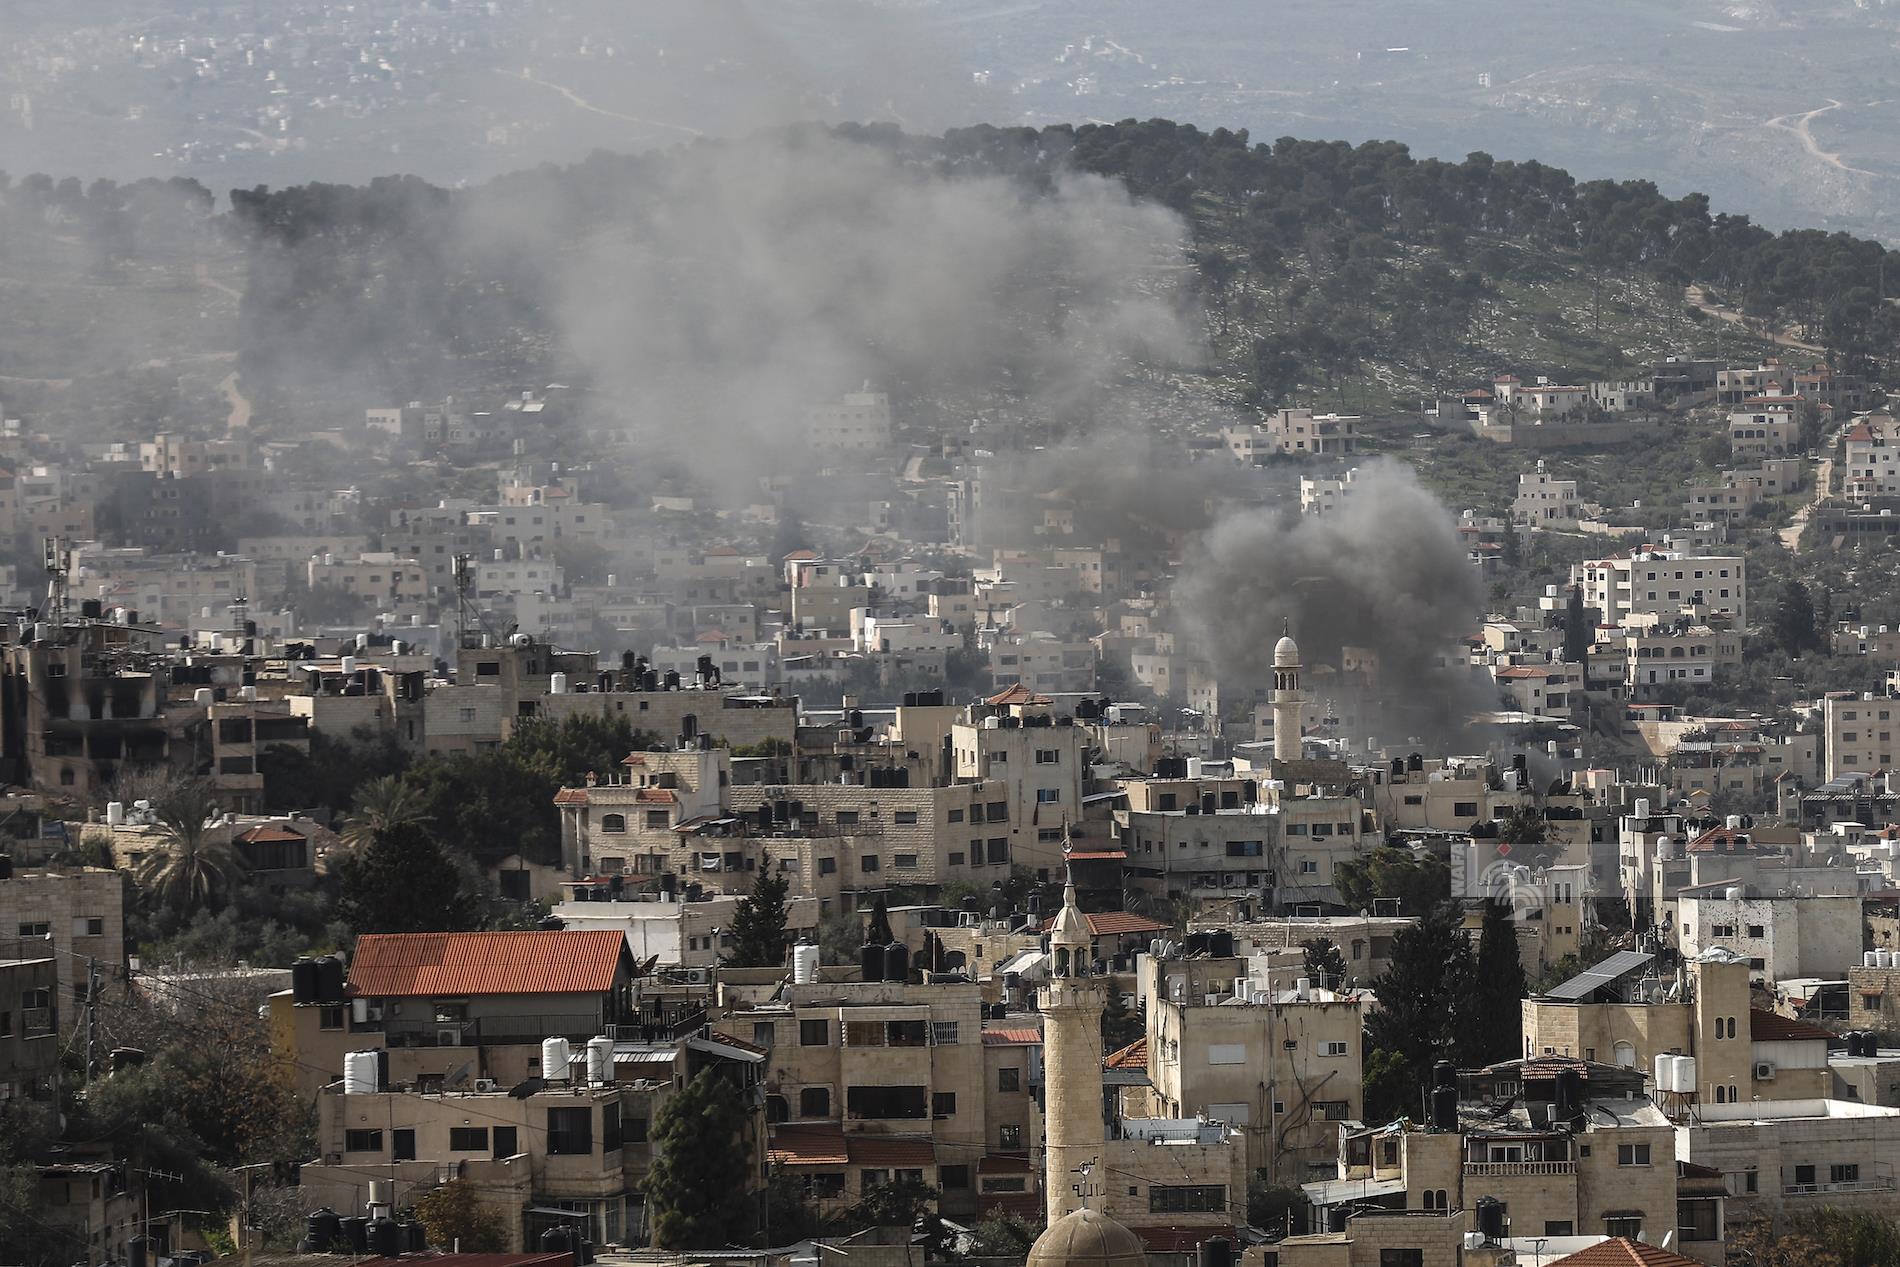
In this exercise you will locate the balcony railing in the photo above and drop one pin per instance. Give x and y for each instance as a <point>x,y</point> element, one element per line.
<point>1502,1169</point>
<point>489,1030</point>
<point>1853,1185</point>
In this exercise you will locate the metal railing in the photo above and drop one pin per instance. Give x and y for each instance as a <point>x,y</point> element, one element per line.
<point>1496,1169</point>
<point>1850,1185</point>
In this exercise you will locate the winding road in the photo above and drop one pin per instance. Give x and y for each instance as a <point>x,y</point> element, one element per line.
<point>581,103</point>
<point>1802,125</point>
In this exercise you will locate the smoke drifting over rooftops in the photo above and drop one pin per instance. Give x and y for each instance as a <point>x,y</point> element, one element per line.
<point>1386,573</point>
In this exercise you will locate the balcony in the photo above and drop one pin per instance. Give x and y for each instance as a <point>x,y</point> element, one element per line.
<point>1826,1189</point>
<point>489,1030</point>
<point>1511,1169</point>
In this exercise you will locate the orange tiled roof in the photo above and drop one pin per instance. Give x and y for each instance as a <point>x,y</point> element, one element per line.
<point>1010,1037</point>
<point>270,833</point>
<point>571,796</point>
<point>818,1145</point>
<point>1133,1056</point>
<point>1620,1251</point>
<point>1115,923</point>
<point>396,965</point>
<point>1017,694</point>
<point>1773,1027</point>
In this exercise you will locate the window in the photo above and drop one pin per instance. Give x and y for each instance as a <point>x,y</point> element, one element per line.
<point>1009,1079</point>
<point>1401,1258</point>
<point>904,861</point>
<point>1756,930</point>
<point>84,926</point>
<point>827,866</point>
<point>891,1103</point>
<point>1009,1137</point>
<point>468,1139</point>
<point>610,1125</point>
<point>570,1132</point>
<point>943,1033</point>
<point>1245,848</point>
<point>825,1185</point>
<point>1048,795</point>
<point>814,1102</point>
<point>330,1018</point>
<point>1048,756</point>
<point>1848,1172</point>
<point>943,1104</point>
<point>1632,1154</point>
<point>763,1034</point>
<point>1559,1227</point>
<point>999,811</point>
<point>362,1141</point>
<point>814,1033</point>
<point>1696,1219</point>
<point>1627,1226</point>
<point>1464,809</point>
<point>999,851</point>
<point>613,823</point>
<point>955,816</point>
<point>505,1145</point>
<point>907,1033</point>
<point>847,818</point>
<point>905,818</point>
<point>403,1144</point>
<point>658,818</point>
<point>1186,1198</point>
<point>39,928</point>
<point>1332,1110</point>
<point>1804,1176</point>
<point>1332,1049</point>
<point>953,1176</point>
<point>955,858</point>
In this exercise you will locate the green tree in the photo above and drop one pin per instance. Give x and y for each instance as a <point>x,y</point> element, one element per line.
<point>1121,1024</point>
<point>758,924</point>
<point>385,808</point>
<point>1578,634</point>
<point>1323,961</point>
<point>453,1214</point>
<point>190,870</point>
<point>1424,1011</point>
<point>1418,882</point>
<point>698,1187</point>
<point>1004,1235</point>
<point>1500,987</point>
<point>896,1204</point>
<point>1792,622</point>
<point>404,884</point>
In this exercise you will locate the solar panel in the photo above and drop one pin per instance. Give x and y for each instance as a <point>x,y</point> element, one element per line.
<point>1587,982</point>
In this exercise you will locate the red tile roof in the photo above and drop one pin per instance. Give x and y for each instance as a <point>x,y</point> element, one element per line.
<point>396,965</point>
<point>1026,1205</point>
<point>1133,1056</point>
<point>882,1150</point>
<point>722,1037</point>
<point>1017,694</point>
<point>1722,840</point>
<point>571,796</point>
<point>1011,1037</point>
<point>1002,1164</point>
<point>807,1146</point>
<point>270,833</point>
<point>1096,855</point>
<point>1620,1251</point>
<point>1116,923</point>
<point>1773,1027</point>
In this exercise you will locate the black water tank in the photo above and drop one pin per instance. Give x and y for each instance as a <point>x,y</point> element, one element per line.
<point>330,980</point>
<point>382,1069</point>
<point>322,1227</point>
<point>6,866</point>
<point>1217,1251</point>
<point>1444,1074</point>
<point>385,1238</point>
<point>871,962</point>
<point>557,1240</point>
<point>1220,944</point>
<point>355,1230</point>
<point>1444,1108</point>
<point>415,1237</point>
<point>1335,1218</point>
<point>126,1058</point>
<point>303,981</point>
<point>1197,943</point>
<point>897,962</point>
<point>1491,1218</point>
<point>138,1251</point>
<point>1569,1094</point>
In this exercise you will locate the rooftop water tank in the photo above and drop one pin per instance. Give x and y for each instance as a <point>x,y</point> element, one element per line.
<point>804,963</point>
<point>555,1057</point>
<point>600,1060</point>
<point>359,1073</point>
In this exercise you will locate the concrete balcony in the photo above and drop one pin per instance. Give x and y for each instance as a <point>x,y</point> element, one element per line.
<point>1509,1169</point>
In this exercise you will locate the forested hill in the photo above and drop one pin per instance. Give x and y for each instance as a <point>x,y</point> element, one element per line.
<point>1318,262</point>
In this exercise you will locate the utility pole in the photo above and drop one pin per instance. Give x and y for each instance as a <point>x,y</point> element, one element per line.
<point>92,1011</point>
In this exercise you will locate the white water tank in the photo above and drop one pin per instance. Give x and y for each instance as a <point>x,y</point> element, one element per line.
<point>248,694</point>
<point>359,1073</point>
<point>1868,959</point>
<point>1665,849</point>
<point>1665,1072</point>
<point>115,815</point>
<point>1303,988</point>
<point>804,963</point>
<point>348,665</point>
<point>1883,959</point>
<point>557,684</point>
<point>202,697</point>
<point>1641,808</point>
<point>359,1010</point>
<point>1735,893</point>
<point>600,1060</point>
<point>1734,822</point>
<point>555,1057</point>
<point>1685,1073</point>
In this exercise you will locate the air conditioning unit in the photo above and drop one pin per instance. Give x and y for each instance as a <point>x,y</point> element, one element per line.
<point>1764,1071</point>
<point>448,1038</point>
<point>487,1084</point>
<point>697,976</point>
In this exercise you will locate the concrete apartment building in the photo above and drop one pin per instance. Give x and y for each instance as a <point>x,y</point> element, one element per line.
<point>1015,737</point>
<point>1282,1066</point>
<point>30,1008</point>
<point>1763,426</point>
<point>1781,935</point>
<point>1544,501</point>
<point>1872,451</point>
<point>1858,733</point>
<point>856,422</point>
<point>1324,495</point>
<point>1569,1146</point>
<point>1785,1157</point>
<point>1665,584</point>
<point>1661,653</point>
<point>74,916</point>
<point>1200,837</point>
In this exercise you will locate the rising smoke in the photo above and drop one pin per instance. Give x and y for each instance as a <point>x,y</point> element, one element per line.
<point>1386,573</point>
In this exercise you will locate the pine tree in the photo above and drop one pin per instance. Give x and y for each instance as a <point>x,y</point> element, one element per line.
<point>758,925</point>
<point>1423,1001</point>
<point>1499,988</point>
<point>1121,1025</point>
<point>404,884</point>
<point>1324,962</point>
<point>698,1186</point>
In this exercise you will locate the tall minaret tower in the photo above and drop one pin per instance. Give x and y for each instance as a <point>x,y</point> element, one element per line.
<point>1287,699</point>
<point>1071,1004</point>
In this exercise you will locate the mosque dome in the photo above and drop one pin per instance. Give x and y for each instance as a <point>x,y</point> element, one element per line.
<point>1286,652</point>
<point>1087,1238</point>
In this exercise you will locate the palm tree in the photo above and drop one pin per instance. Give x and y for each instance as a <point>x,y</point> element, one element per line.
<point>385,808</point>
<point>190,869</point>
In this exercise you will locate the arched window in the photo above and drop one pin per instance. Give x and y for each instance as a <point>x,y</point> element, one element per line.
<point>613,822</point>
<point>1626,1055</point>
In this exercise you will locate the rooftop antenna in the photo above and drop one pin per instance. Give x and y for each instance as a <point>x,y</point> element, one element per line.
<point>56,560</point>
<point>465,609</point>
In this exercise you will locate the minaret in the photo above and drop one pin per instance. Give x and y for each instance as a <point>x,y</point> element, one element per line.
<point>1287,699</point>
<point>1071,1004</point>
